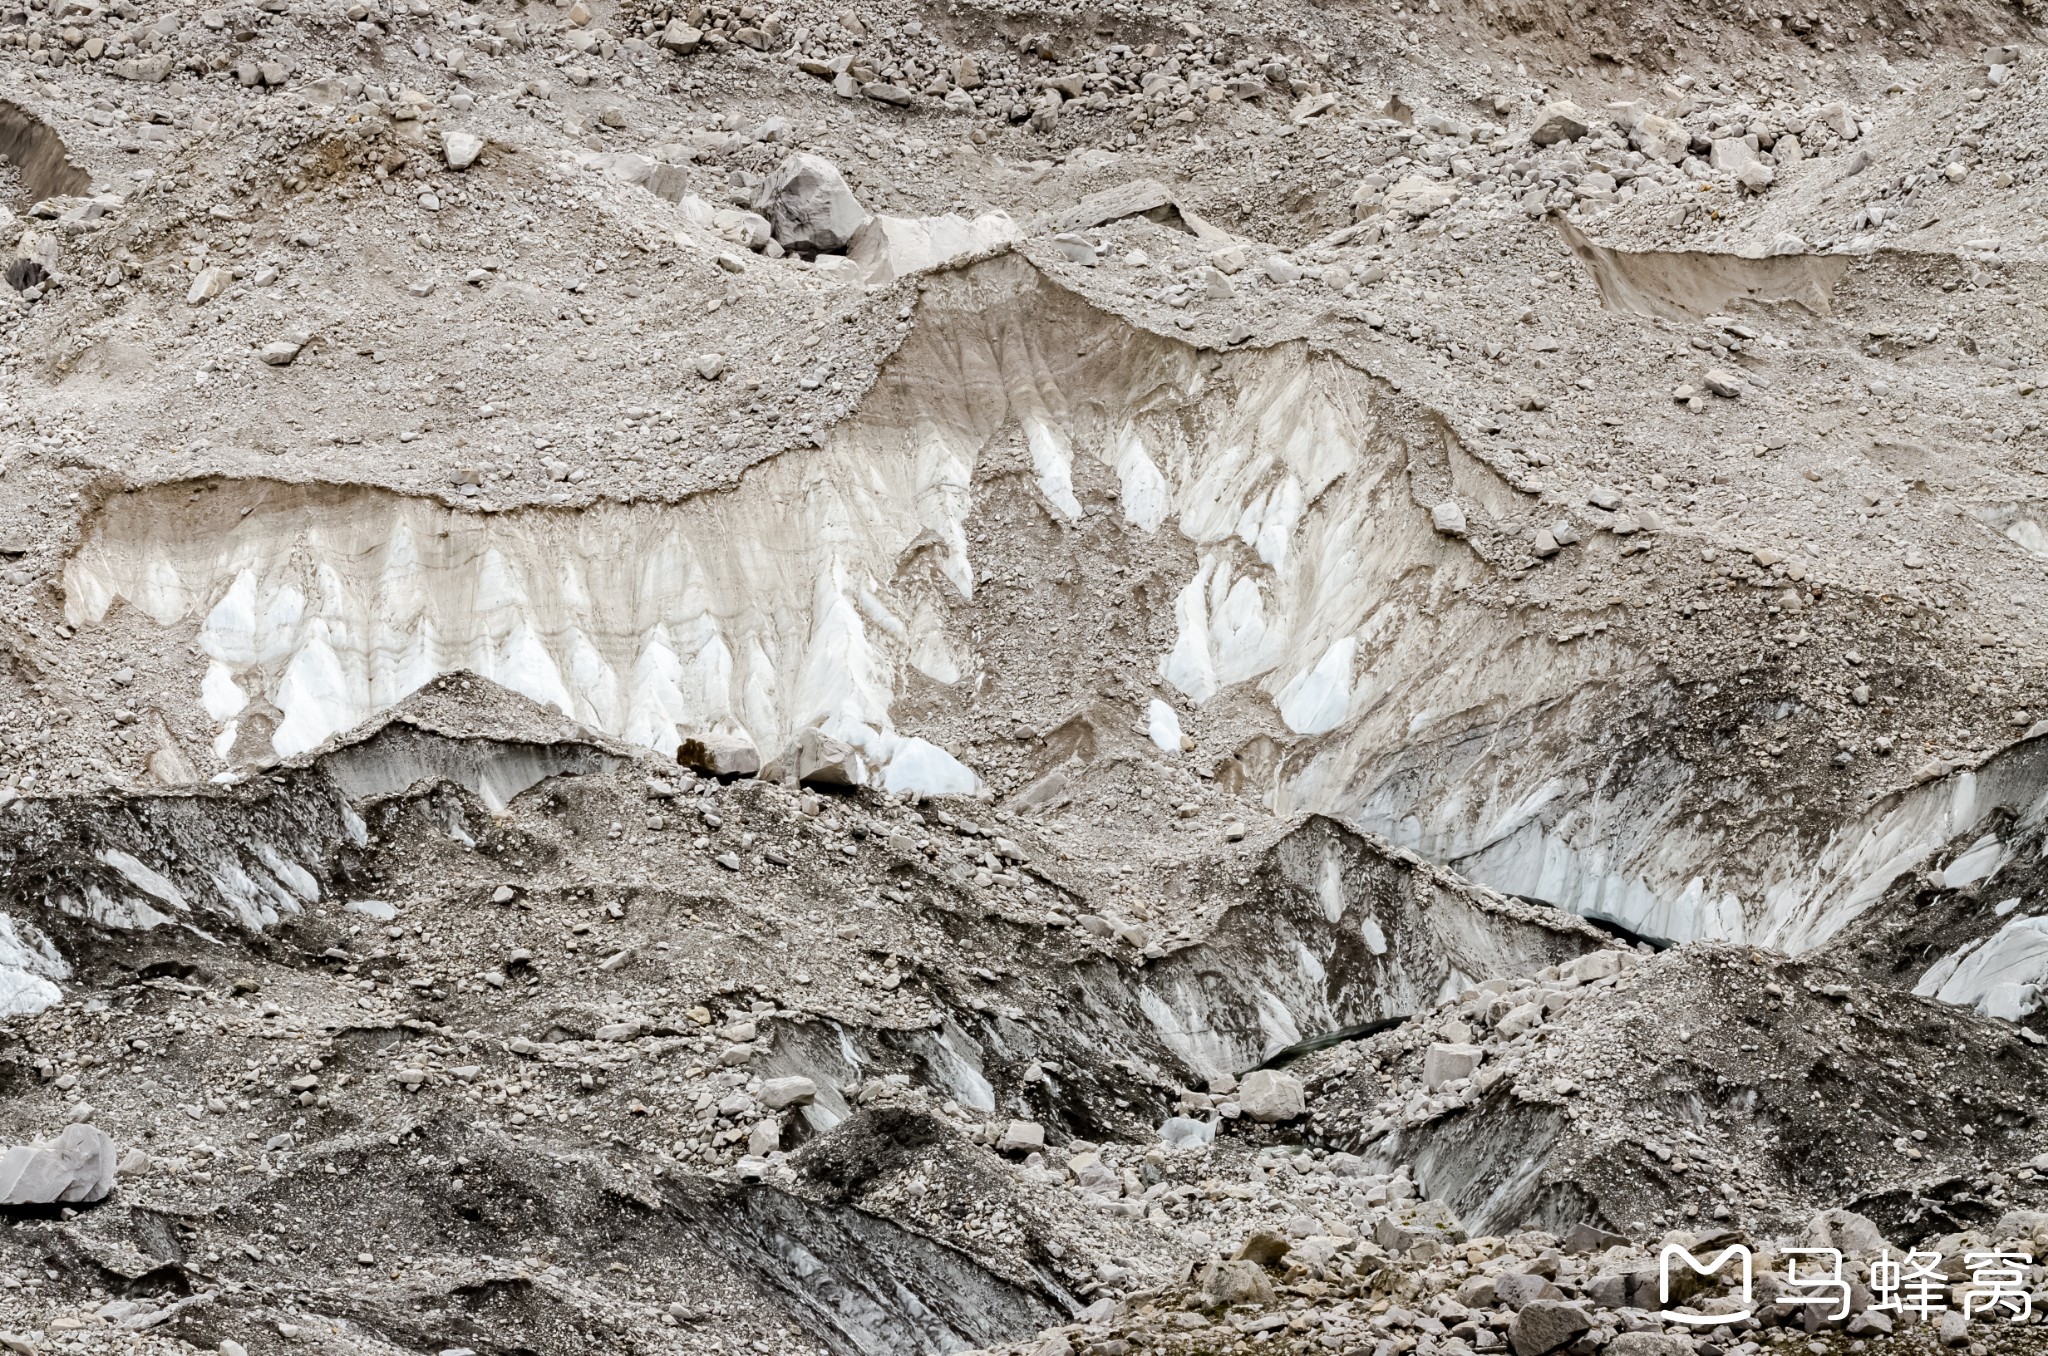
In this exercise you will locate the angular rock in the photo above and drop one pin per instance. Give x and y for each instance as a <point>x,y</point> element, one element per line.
<point>1269,1096</point>
<point>1021,1137</point>
<point>817,759</point>
<point>1448,518</point>
<point>1419,195</point>
<point>460,149</point>
<point>809,207</point>
<point>717,755</point>
<point>780,1093</point>
<point>207,284</point>
<point>1235,1282</point>
<point>1446,1063</point>
<point>1561,121</point>
<point>1545,1325</point>
<point>1722,382</point>
<point>680,38</point>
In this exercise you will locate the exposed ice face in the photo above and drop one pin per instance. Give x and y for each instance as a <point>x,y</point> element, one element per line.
<point>809,593</point>
<point>2000,976</point>
<point>29,969</point>
<point>802,597</point>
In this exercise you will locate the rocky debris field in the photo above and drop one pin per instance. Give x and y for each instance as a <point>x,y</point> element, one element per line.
<point>1031,679</point>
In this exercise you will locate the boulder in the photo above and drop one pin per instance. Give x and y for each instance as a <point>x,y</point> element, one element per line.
<point>1269,1096</point>
<point>77,1166</point>
<point>1847,1232</point>
<point>1519,1289</point>
<point>1230,1283</point>
<point>1649,1344</point>
<point>1419,195</point>
<point>1448,1063</point>
<point>1545,1325</point>
<point>460,149</point>
<point>809,207</point>
<point>1583,1237</point>
<point>1561,121</point>
<point>1022,1137</point>
<point>1660,139</point>
<point>817,759</point>
<point>779,1093</point>
<point>1266,1247</point>
<point>719,755</point>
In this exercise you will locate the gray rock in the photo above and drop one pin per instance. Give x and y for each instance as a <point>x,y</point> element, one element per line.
<point>1519,1289</point>
<point>1584,1237</point>
<point>1265,1247</point>
<point>883,92</point>
<point>1022,1137</point>
<point>1269,1096</point>
<point>1844,1230</point>
<point>809,207</point>
<point>78,1165</point>
<point>1074,248</point>
<point>1649,1344</point>
<point>719,755</point>
<point>1449,1062</point>
<point>1953,1329</point>
<point>460,149</point>
<point>1230,1283</point>
<point>779,1093</point>
<point>1448,518</point>
<point>1722,382</point>
<point>817,759</point>
<point>1561,121</point>
<point>1544,1325</point>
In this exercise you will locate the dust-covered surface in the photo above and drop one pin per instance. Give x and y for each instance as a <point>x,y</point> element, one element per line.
<point>760,678</point>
